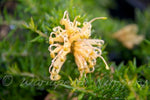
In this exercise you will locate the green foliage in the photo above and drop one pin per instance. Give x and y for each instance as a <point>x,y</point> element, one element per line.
<point>25,59</point>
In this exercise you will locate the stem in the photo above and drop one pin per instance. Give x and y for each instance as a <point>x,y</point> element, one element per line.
<point>41,34</point>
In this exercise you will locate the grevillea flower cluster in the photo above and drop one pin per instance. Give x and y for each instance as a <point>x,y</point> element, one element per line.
<point>75,40</point>
<point>128,36</point>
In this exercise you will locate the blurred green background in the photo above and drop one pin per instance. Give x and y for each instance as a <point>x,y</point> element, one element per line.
<point>25,59</point>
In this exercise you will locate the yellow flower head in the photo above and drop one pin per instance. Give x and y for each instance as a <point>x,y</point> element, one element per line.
<point>75,40</point>
<point>128,36</point>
